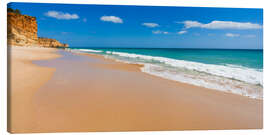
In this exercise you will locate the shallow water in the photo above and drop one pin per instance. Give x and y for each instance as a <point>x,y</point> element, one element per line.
<point>236,71</point>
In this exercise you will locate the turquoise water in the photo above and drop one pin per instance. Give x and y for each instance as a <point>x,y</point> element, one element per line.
<point>236,71</point>
<point>246,58</point>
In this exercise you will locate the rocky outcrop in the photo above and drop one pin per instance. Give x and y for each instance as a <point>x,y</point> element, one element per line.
<point>22,31</point>
<point>47,42</point>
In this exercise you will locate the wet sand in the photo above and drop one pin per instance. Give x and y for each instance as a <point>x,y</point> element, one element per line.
<point>90,93</point>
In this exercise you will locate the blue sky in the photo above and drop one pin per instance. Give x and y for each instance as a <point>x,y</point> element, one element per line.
<point>147,26</point>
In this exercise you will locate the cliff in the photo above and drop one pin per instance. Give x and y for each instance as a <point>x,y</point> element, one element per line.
<point>22,31</point>
<point>47,42</point>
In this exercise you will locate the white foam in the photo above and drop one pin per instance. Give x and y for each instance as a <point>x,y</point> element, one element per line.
<point>229,78</point>
<point>204,80</point>
<point>89,50</point>
<point>248,75</point>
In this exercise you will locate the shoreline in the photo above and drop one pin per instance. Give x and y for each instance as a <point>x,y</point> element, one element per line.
<point>139,66</point>
<point>74,98</point>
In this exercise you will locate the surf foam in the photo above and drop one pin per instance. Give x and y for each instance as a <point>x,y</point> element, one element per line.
<point>228,78</point>
<point>248,75</point>
<point>232,78</point>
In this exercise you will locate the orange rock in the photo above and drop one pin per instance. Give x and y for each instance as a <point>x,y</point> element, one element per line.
<point>22,31</point>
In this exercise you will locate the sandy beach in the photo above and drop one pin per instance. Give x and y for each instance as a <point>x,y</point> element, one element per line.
<point>52,90</point>
<point>25,78</point>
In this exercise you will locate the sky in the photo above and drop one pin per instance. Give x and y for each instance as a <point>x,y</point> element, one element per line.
<point>147,26</point>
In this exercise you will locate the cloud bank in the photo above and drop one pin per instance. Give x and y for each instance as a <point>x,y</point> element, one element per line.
<point>221,25</point>
<point>232,35</point>
<point>61,16</point>
<point>113,19</point>
<point>151,25</point>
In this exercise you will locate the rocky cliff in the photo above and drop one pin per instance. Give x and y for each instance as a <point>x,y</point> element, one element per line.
<point>47,42</point>
<point>22,31</point>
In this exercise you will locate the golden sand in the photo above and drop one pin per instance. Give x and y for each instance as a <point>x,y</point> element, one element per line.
<point>24,80</point>
<point>91,93</point>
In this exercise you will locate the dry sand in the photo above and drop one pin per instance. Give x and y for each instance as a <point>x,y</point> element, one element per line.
<point>24,80</point>
<point>90,93</point>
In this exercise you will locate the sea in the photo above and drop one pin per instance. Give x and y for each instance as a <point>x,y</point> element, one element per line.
<point>234,71</point>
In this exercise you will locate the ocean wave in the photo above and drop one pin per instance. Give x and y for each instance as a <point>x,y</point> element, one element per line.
<point>206,81</point>
<point>244,74</point>
<point>90,50</point>
<point>227,78</point>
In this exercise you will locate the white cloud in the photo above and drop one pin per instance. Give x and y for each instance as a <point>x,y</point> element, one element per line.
<point>232,35</point>
<point>64,33</point>
<point>113,19</point>
<point>221,25</point>
<point>84,20</point>
<point>61,15</point>
<point>159,32</point>
<point>182,32</point>
<point>250,36</point>
<point>156,32</point>
<point>151,25</point>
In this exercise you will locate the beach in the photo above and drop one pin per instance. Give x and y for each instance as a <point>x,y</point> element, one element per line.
<point>25,78</point>
<point>52,90</point>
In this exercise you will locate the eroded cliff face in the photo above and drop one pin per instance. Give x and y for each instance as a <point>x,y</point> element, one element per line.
<point>22,31</point>
<point>47,42</point>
